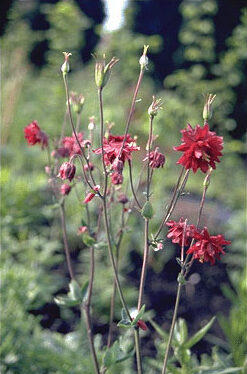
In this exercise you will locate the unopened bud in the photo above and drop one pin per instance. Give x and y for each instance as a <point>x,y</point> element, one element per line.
<point>77,102</point>
<point>206,181</point>
<point>154,107</point>
<point>144,59</point>
<point>65,67</point>
<point>103,72</point>
<point>91,124</point>
<point>208,110</point>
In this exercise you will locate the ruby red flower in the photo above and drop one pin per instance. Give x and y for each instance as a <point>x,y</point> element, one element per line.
<point>67,171</point>
<point>207,247</point>
<point>34,135</point>
<point>112,146</point>
<point>156,159</point>
<point>201,148</point>
<point>176,232</point>
<point>71,146</point>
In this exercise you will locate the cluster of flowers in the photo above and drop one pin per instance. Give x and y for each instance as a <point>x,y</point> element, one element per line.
<point>205,248</point>
<point>201,150</point>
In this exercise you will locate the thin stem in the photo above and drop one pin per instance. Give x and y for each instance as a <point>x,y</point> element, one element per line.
<point>132,186</point>
<point>110,250</point>
<point>144,264</point>
<point>132,109</point>
<point>65,240</point>
<point>74,131</point>
<point>86,307</point>
<point>102,137</point>
<point>172,328</point>
<point>149,149</point>
<point>78,122</point>
<point>176,193</point>
<point>138,352</point>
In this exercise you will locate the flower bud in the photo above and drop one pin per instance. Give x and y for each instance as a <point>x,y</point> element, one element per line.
<point>77,102</point>
<point>122,198</point>
<point>117,165</point>
<point>147,210</point>
<point>65,189</point>
<point>82,230</point>
<point>91,124</point>
<point>208,110</point>
<point>65,67</point>
<point>103,72</point>
<point>67,171</point>
<point>88,166</point>
<point>154,107</point>
<point>116,178</point>
<point>91,195</point>
<point>144,59</point>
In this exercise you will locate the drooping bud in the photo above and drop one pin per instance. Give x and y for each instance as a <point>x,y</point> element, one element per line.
<point>65,189</point>
<point>208,110</point>
<point>103,71</point>
<point>122,198</point>
<point>67,171</point>
<point>117,165</point>
<point>154,107</point>
<point>117,178</point>
<point>65,67</point>
<point>91,195</point>
<point>144,59</point>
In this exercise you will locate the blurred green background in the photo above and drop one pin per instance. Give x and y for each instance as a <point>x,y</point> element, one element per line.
<point>196,47</point>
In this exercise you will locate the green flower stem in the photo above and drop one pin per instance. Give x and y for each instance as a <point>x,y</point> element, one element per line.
<point>138,351</point>
<point>78,122</point>
<point>132,109</point>
<point>172,328</point>
<point>65,239</point>
<point>86,307</point>
<point>132,186</point>
<point>102,139</point>
<point>176,193</point>
<point>65,79</point>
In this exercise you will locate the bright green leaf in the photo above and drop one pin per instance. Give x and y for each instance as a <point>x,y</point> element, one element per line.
<point>199,335</point>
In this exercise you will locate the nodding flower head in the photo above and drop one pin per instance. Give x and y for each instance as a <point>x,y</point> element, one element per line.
<point>67,171</point>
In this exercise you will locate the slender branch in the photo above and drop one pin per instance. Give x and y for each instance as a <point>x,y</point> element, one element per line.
<point>176,193</point>
<point>86,306</point>
<point>65,240</point>
<point>144,264</point>
<point>102,138</point>
<point>132,109</point>
<point>78,122</point>
<point>172,328</point>
<point>74,131</point>
<point>138,351</point>
<point>132,186</point>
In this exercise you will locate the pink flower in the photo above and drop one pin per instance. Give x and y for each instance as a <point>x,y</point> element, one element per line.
<point>65,189</point>
<point>82,230</point>
<point>116,178</point>
<point>91,195</point>
<point>201,148</point>
<point>34,135</point>
<point>67,171</point>
<point>156,159</point>
<point>176,231</point>
<point>207,247</point>
<point>112,147</point>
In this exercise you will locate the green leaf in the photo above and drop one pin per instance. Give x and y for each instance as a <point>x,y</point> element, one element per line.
<point>84,291</point>
<point>88,240</point>
<point>139,316</point>
<point>124,323</point>
<point>75,291</point>
<point>66,301</point>
<point>159,330</point>
<point>147,210</point>
<point>224,371</point>
<point>199,335</point>
<point>124,314</point>
<point>181,279</point>
<point>180,331</point>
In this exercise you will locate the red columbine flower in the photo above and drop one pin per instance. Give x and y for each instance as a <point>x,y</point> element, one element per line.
<point>156,159</point>
<point>91,195</point>
<point>70,144</point>
<point>67,171</point>
<point>34,135</point>
<point>112,145</point>
<point>207,247</point>
<point>201,148</point>
<point>65,189</point>
<point>116,178</point>
<point>176,231</point>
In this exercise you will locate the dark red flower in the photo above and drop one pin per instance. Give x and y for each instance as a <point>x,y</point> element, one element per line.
<point>176,230</point>
<point>201,148</point>
<point>34,135</point>
<point>67,171</point>
<point>71,146</point>
<point>65,189</point>
<point>142,325</point>
<point>122,198</point>
<point>156,159</point>
<point>207,247</point>
<point>112,145</point>
<point>116,178</point>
